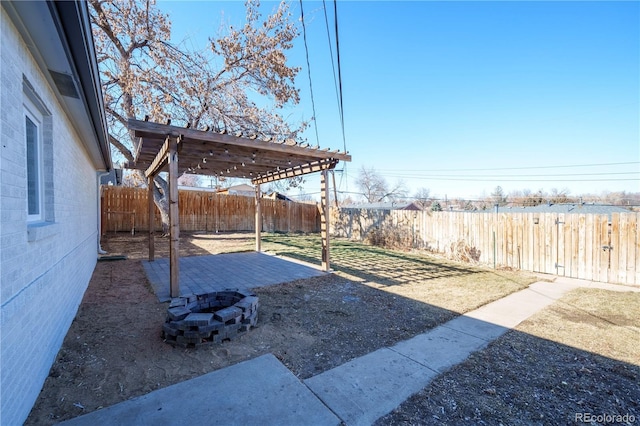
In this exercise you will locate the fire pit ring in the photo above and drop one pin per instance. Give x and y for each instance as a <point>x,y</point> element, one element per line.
<point>205,319</point>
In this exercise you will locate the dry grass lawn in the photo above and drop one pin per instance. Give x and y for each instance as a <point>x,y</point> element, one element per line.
<point>580,355</point>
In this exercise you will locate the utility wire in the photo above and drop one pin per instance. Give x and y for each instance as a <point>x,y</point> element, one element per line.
<point>547,175</point>
<point>306,49</point>
<point>333,65</point>
<point>518,180</point>
<point>341,103</point>
<point>512,168</point>
<point>335,11</point>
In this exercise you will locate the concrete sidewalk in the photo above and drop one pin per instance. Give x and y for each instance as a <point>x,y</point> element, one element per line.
<point>256,392</point>
<point>263,392</point>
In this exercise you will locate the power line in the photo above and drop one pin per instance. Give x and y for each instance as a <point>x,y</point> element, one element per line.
<point>508,179</point>
<point>306,49</point>
<point>333,65</point>
<point>548,175</point>
<point>513,168</point>
<point>335,11</point>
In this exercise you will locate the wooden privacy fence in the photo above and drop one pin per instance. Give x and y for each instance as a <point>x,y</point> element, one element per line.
<point>586,246</point>
<point>125,209</point>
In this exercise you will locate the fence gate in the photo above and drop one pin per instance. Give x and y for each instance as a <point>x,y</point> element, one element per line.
<point>604,248</point>
<point>582,246</point>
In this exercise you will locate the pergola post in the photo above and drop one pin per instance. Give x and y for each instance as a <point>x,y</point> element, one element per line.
<point>324,220</point>
<point>174,223</point>
<point>152,210</point>
<point>258,219</point>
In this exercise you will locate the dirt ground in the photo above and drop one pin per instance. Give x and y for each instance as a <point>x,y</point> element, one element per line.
<point>577,358</point>
<point>114,351</point>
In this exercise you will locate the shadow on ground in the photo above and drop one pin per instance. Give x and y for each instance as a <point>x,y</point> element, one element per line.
<point>367,263</point>
<point>315,325</point>
<point>521,379</point>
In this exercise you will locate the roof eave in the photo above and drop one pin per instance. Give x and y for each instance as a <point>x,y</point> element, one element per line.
<point>58,35</point>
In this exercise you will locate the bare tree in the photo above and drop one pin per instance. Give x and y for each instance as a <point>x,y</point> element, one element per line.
<point>560,196</point>
<point>143,73</point>
<point>375,188</point>
<point>498,196</point>
<point>189,180</point>
<point>281,186</point>
<point>422,197</point>
<point>527,198</point>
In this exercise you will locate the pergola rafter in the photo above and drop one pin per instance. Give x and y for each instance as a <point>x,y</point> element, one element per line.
<point>187,150</point>
<point>220,154</point>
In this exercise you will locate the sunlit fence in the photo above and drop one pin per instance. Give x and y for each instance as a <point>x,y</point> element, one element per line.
<point>594,247</point>
<point>126,209</point>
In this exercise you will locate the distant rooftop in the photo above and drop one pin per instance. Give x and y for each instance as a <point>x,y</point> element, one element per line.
<point>574,208</point>
<point>384,206</point>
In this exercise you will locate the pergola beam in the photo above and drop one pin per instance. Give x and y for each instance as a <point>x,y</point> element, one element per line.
<point>160,161</point>
<point>146,129</point>
<point>316,166</point>
<point>162,157</point>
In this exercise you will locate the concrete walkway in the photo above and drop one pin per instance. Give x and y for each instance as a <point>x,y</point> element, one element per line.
<point>263,392</point>
<point>206,274</point>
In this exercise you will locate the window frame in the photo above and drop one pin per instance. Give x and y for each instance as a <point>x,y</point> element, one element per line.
<point>32,113</point>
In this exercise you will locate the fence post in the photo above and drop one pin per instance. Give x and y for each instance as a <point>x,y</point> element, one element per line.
<point>151,210</point>
<point>324,215</point>
<point>258,218</point>
<point>174,227</point>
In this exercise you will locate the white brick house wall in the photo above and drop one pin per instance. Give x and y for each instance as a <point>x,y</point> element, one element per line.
<point>44,268</point>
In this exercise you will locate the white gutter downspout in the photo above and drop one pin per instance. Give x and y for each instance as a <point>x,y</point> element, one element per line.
<point>99,175</point>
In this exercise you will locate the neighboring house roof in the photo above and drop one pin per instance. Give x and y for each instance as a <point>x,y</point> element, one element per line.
<point>242,189</point>
<point>58,34</point>
<point>384,206</point>
<point>278,196</point>
<point>196,188</point>
<point>574,208</point>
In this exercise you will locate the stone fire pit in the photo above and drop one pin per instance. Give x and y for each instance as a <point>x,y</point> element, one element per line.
<point>205,319</point>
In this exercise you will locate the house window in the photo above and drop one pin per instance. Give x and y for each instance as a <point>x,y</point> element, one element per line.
<point>38,137</point>
<point>33,136</point>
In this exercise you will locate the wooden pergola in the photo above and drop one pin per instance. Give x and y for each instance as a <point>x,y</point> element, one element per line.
<point>163,147</point>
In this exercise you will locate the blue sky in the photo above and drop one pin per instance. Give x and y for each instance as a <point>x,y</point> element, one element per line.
<point>460,97</point>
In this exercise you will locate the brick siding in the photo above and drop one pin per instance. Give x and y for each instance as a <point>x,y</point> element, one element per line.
<point>44,270</point>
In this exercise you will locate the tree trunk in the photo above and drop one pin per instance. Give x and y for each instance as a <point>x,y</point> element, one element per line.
<point>163,206</point>
<point>161,200</point>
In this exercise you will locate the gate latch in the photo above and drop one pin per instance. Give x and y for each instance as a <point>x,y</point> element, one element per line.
<point>605,248</point>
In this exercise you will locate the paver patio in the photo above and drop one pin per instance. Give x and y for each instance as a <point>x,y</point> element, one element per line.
<point>243,271</point>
